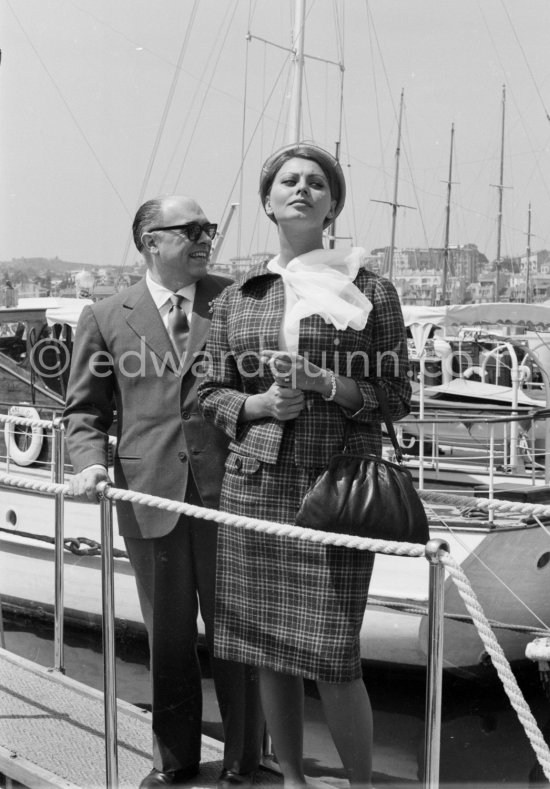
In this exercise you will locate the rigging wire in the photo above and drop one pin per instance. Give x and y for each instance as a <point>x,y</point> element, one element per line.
<point>340,45</point>
<point>258,206</point>
<point>201,81</point>
<point>458,215</point>
<point>384,69</point>
<point>306,88</point>
<point>349,183</point>
<point>310,135</point>
<point>205,93</point>
<point>284,104</point>
<point>162,124</point>
<point>243,133</point>
<point>520,114</point>
<point>408,159</point>
<point>253,135</point>
<point>71,113</point>
<point>143,47</point>
<point>512,27</point>
<point>385,72</point>
<point>280,124</point>
<point>373,72</point>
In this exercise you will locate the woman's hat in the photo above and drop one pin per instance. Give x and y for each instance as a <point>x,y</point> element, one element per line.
<point>306,150</point>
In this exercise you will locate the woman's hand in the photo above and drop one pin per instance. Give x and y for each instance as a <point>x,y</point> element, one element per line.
<point>278,401</point>
<point>293,370</point>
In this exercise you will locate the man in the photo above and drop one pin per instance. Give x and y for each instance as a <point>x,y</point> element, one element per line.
<point>137,354</point>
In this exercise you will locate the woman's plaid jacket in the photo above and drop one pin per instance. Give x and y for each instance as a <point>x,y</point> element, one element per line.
<point>246,321</point>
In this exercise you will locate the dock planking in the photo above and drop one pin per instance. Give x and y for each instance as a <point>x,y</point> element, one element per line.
<point>52,733</point>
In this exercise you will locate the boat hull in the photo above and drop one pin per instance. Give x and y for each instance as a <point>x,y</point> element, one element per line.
<point>393,631</point>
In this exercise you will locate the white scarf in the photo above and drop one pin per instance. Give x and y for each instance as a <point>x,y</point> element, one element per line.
<point>321,283</point>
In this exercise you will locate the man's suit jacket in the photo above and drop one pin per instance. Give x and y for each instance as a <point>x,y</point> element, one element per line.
<point>123,359</point>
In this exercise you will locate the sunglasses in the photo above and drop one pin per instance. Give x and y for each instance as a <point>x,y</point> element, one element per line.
<point>193,230</point>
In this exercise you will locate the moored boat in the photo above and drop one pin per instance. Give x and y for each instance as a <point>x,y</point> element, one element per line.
<point>481,391</point>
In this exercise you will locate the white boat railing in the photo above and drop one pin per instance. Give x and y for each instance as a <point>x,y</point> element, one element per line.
<point>519,375</point>
<point>505,448</point>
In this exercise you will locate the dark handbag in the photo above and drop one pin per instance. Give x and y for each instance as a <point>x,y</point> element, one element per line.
<point>366,496</point>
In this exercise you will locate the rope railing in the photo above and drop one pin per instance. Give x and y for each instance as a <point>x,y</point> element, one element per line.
<point>106,491</point>
<point>203,513</point>
<point>287,530</point>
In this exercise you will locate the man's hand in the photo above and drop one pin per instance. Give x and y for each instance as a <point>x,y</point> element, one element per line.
<point>83,486</point>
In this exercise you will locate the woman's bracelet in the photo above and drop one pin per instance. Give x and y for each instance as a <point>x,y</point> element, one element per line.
<point>332,394</point>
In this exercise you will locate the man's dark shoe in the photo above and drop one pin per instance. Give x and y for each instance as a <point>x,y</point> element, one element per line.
<point>157,778</point>
<point>231,780</point>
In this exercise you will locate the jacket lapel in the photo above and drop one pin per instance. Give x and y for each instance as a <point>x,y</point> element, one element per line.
<point>207,289</point>
<point>144,319</point>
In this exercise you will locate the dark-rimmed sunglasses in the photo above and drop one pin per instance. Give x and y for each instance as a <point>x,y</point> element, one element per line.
<point>193,230</point>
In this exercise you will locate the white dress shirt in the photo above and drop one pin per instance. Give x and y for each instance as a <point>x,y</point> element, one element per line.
<point>161,297</point>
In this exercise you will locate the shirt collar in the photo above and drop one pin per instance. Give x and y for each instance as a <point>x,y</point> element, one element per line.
<point>161,295</point>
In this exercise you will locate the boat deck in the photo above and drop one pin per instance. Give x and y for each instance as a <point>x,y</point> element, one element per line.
<point>52,733</point>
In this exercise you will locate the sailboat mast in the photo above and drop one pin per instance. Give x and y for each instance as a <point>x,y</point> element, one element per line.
<point>388,269</point>
<point>447,224</point>
<point>528,269</point>
<point>294,130</point>
<point>395,204</point>
<point>500,191</point>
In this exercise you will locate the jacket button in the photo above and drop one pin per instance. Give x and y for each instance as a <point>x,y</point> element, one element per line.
<point>182,456</point>
<point>185,415</point>
<point>238,463</point>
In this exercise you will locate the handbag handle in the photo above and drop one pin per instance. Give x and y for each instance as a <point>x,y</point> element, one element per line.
<point>385,411</point>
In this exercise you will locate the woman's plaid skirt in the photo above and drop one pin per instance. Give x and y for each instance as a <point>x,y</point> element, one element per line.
<point>281,603</point>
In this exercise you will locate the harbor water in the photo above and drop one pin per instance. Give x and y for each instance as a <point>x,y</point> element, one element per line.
<point>482,742</point>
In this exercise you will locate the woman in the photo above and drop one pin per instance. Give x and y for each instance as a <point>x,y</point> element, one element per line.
<point>293,350</point>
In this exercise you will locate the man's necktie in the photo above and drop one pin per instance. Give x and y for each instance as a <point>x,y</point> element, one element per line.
<point>178,325</point>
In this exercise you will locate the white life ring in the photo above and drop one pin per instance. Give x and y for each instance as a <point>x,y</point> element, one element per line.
<point>23,457</point>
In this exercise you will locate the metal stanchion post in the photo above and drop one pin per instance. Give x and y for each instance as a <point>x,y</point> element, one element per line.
<point>109,658</point>
<point>434,669</point>
<point>58,451</point>
<point>2,634</point>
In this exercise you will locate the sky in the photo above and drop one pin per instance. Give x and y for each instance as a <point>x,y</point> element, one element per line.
<point>106,103</point>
